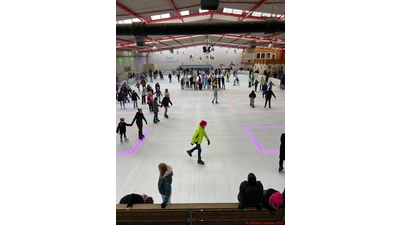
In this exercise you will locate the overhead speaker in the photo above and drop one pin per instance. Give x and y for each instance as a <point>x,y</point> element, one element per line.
<point>139,41</point>
<point>204,49</point>
<point>209,4</point>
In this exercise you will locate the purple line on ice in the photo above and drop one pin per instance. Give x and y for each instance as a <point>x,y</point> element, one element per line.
<point>270,152</point>
<point>136,146</point>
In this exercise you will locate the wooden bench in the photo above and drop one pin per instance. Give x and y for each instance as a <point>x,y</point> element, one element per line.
<point>196,214</point>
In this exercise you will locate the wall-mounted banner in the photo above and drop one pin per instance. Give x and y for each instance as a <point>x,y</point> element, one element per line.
<point>170,59</point>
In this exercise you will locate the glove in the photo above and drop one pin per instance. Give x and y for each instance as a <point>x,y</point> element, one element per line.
<point>208,142</point>
<point>191,143</point>
<point>241,207</point>
<point>163,205</point>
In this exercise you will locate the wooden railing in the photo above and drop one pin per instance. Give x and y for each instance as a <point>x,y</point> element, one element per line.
<point>196,214</point>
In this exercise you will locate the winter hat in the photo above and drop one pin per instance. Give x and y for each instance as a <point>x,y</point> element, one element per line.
<point>251,178</point>
<point>275,200</point>
<point>122,119</point>
<point>203,123</point>
<point>166,89</point>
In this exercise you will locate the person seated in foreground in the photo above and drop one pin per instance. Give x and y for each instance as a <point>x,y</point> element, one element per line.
<point>135,199</point>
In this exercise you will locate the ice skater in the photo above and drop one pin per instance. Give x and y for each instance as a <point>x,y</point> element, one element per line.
<point>197,139</point>
<point>121,128</point>
<point>252,96</point>
<point>282,152</point>
<point>139,117</point>
<point>268,97</point>
<point>215,96</point>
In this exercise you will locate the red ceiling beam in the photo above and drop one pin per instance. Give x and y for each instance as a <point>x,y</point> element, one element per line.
<point>177,41</point>
<point>176,11</point>
<point>130,11</point>
<point>212,15</point>
<point>253,9</point>
<point>220,39</point>
<point>124,40</point>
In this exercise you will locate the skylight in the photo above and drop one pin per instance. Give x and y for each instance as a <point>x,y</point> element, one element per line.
<point>237,11</point>
<point>201,11</point>
<point>128,21</point>
<point>155,17</point>
<point>166,15</point>
<point>227,10</point>
<point>184,13</point>
<point>269,15</point>
<point>256,14</point>
<point>161,16</point>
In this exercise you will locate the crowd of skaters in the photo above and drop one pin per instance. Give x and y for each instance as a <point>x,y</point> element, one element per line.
<point>251,192</point>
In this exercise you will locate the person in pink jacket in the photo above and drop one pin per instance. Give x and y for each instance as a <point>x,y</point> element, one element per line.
<point>197,139</point>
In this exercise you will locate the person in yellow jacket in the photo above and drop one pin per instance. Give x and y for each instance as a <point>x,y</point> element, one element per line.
<point>197,139</point>
<point>262,82</point>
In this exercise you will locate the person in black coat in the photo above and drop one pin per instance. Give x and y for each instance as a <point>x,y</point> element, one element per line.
<point>250,193</point>
<point>282,152</point>
<point>135,97</point>
<point>122,129</point>
<point>135,199</point>
<point>268,97</point>
<point>252,96</point>
<point>165,103</point>
<point>139,117</point>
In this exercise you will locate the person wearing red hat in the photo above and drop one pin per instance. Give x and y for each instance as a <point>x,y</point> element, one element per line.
<point>272,200</point>
<point>197,139</point>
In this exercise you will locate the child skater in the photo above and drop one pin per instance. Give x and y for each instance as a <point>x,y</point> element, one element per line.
<point>155,109</point>
<point>252,96</point>
<point>215,95</point>
<point>143,96</point>
<point>150,101</point>
<point>122,129</point>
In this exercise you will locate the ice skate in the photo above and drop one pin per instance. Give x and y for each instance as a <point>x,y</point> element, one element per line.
<point>121,140</point>
<point>126,139</point>
<point>199,161</point>
<point>189,153</point>
<point>280,169</point>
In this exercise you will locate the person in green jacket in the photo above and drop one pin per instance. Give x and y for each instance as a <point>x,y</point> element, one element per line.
<point>262,82</point>
<point>197,139</point>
